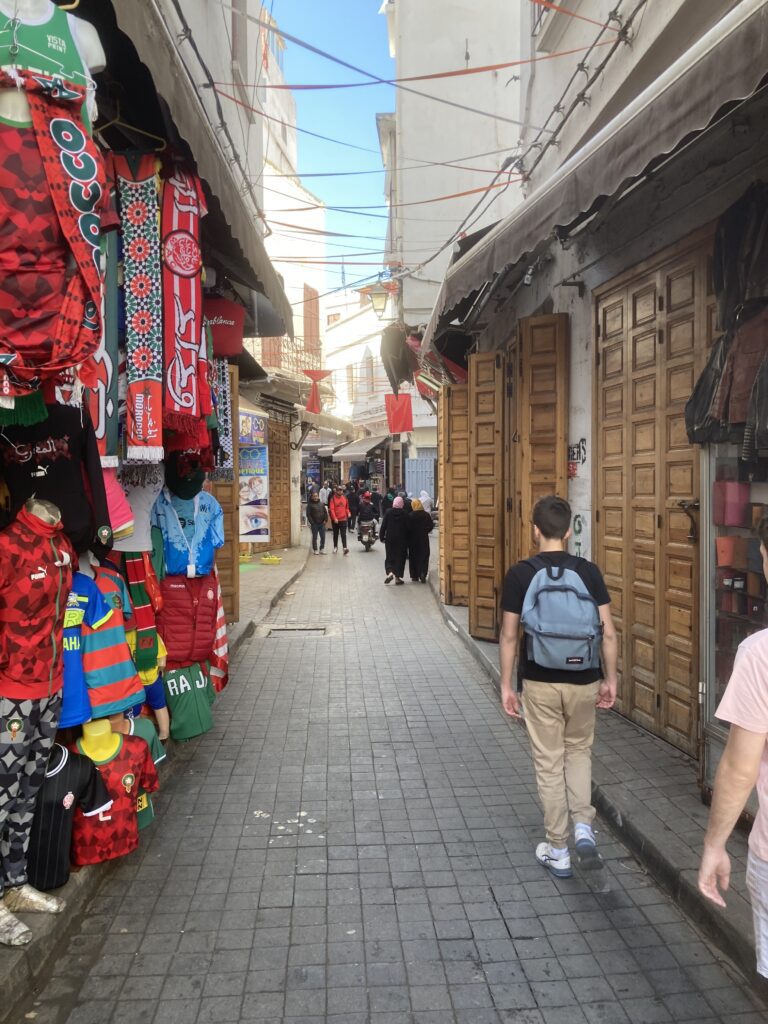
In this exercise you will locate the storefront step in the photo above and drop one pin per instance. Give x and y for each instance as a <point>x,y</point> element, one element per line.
<point>647,793</point>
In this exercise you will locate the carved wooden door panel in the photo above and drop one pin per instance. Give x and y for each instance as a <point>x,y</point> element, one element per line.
<point>485,495</point>
<point>454,491</point>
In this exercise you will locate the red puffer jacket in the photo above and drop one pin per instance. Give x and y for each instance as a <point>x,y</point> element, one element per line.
<point>35,580</point>
<point>187,622</point>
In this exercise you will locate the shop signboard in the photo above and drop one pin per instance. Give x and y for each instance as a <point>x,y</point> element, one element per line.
<point>313,470</point>
<point>254,493</point>
<point>253,428</point>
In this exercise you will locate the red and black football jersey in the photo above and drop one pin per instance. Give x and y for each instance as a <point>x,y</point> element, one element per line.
<point>71,783</point>
<point>114,833</point>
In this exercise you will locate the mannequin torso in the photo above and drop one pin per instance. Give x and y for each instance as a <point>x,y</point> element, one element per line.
<point>13,102</point>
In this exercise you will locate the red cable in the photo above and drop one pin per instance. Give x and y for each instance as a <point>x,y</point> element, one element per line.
<point>460,72</point>
<point>572,14</point>
<point>394,206</point>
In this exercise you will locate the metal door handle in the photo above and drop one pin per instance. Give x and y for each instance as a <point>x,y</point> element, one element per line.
<point>689,507</point>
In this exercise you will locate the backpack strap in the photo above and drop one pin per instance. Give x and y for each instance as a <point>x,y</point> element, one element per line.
<point>553,572</point>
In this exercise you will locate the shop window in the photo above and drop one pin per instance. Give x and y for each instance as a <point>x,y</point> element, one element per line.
<point>739,499</point>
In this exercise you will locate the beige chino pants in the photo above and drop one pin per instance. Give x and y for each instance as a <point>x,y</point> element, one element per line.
<point>561,725</point>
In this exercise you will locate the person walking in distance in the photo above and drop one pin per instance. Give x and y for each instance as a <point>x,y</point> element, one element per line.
<point>394,535</point>
<point>353,500</point>
<point>744,765</point>
<point>563,606</point>
<point>338,509</point>
<point>376,501</point>
<point>419,528</point>
<point>317,517</point>
<point>325,493</point>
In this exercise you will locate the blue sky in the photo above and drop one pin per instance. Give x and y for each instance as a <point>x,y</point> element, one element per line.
<point>354,31</point>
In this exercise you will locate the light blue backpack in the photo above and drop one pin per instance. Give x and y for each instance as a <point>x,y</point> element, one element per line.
<point>561,618</point>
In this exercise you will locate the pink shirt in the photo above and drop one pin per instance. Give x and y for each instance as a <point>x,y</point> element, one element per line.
<point>745,703</point>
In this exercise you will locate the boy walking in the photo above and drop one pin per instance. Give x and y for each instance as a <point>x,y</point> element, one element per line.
<point>564,607</point>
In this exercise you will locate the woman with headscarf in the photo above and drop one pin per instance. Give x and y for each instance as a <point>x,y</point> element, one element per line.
<point>394,535</point>
<point>419,528</point>
<point>426,501</point>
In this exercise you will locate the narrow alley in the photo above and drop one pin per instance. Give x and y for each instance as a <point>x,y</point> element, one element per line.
<point>353,843</point>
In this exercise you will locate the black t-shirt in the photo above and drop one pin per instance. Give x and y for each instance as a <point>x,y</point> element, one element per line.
<point>516,583</point>
<point>71,781</point>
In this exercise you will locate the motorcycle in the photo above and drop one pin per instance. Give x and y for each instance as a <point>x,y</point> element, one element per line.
<point>366,534</point>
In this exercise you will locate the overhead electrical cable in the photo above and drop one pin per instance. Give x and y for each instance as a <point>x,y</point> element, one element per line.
<point>366,74</point>
<point>456,73</point>
<point>385,206</point>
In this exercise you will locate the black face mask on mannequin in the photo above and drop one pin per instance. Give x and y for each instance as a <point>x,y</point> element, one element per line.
<point>184,475</point>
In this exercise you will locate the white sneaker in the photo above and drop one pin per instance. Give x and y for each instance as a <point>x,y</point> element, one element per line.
<point>558,864</point>
<point>586,847</point>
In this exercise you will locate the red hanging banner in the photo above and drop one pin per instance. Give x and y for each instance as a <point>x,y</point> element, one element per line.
<point>399,413</point>
<point>313,402</point>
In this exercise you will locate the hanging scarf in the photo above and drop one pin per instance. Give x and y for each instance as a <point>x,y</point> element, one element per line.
<point>218,663</point>
<point>75,177</point>
<point>225,464</point>
<point>143,612</point>
<point>102,396</point>
<point>184,346</point>
<point>137,188</point>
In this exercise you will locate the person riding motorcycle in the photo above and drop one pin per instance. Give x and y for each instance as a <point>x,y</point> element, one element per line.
<point>366,514</point>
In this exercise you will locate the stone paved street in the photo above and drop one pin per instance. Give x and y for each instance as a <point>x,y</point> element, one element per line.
<point>353,843</point>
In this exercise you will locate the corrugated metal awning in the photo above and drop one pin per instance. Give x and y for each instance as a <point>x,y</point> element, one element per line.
<point>727,64</point>
<point>360,449</point>
<point>149,33</point>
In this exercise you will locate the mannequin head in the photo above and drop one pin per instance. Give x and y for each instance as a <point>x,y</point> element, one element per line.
<point>184,474</point>
<point>45,511</point>
<point>99,742</point>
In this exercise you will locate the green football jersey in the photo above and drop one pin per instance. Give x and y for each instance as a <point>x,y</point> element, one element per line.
<point>190,696</point>
<point>145,728</point>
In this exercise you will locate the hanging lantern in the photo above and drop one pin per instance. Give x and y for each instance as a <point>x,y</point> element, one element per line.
<point>313,402</point>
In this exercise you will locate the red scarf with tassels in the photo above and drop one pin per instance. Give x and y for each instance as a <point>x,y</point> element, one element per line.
<point>184,345</point>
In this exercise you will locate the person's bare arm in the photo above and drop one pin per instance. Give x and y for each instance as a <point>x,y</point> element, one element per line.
<point>735,778</point>
<point>510,624</point>
<point>606,696</point>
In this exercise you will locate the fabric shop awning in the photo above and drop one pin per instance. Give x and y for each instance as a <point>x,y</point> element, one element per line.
<point>156,49</point>
<point>359,449</point>
<point>727,64</point>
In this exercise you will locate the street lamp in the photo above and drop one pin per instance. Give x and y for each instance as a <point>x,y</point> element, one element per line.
<point>378,295</point>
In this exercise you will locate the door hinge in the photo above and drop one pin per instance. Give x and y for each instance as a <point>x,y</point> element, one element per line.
<point>510,391</point>
<point>597,356</point>
<point>597,331</point>
<point>661,303</point>
<point>597,515</point>
<point>660,337</point>
<point>498,360</point>
<point>520,508</point>
<point>509,505</point>
<point>658,700</point>
<point>658,520</point>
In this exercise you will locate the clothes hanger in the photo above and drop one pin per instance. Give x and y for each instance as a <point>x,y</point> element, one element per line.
<point>132,128</point>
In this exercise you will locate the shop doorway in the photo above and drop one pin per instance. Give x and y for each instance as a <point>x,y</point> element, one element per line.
<point>653,329</point>
<point>518,414</point>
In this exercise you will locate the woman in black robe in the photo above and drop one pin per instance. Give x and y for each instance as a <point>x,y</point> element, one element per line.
<point>419,528</point>
<point>394,534</point>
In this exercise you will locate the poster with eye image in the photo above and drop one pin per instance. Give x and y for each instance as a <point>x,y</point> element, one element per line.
<point>254,493</point>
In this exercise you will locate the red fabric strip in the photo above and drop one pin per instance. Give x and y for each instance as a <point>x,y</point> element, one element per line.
<point>183,206</point>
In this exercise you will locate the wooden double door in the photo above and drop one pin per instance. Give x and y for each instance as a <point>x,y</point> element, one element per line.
<point>652,334</point>
<point>517,408</point>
